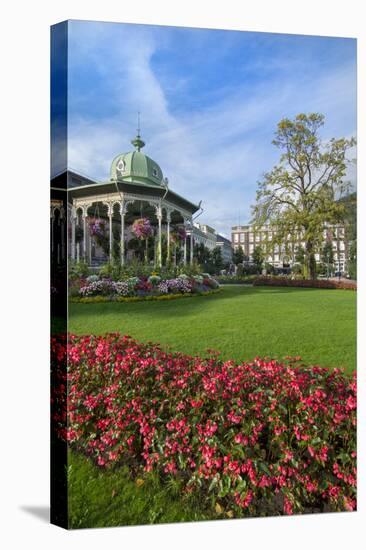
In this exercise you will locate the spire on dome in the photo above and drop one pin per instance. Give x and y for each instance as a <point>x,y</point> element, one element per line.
<point>137,142</point>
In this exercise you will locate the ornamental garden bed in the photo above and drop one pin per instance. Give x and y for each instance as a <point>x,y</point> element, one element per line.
<point>251,439</point>
<point>305,283</point>
<point>148,298</point>
<point>95,288</point>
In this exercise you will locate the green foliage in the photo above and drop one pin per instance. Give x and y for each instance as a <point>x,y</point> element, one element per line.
<point>77,270</point>
<point>352,261</point>
<point>235,279</point>
<point>238,255</point>
<point>270,270</point>
<point>138,268</point>
<point>258,258</point>
<point>299,194</point>
<point>350,205</point>
<point>217,260</point>
<point>297,269</point>
<point>300,255</point>
<point>328,258</point>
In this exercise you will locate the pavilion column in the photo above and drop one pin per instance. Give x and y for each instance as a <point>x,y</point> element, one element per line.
<point>84,234</point>
<point>168,237</point>
<point>90,248</point>
<point>73,226</point>
<point>191,243</point>
<point>110,213</point>
<point>185,245</point>
<point>122,206</point>
<point>159,216</point>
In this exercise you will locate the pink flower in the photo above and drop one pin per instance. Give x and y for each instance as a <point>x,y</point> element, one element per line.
<point>287,506</point>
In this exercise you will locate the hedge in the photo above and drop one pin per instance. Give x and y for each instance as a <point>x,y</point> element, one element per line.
<point>305,283</point>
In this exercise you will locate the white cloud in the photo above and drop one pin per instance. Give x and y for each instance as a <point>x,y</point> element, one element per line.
<point>216,155</point>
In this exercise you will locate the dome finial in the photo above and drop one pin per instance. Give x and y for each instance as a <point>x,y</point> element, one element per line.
<point>137,142</point>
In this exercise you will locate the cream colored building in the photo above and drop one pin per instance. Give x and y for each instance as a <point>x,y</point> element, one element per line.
<point>282,256</point>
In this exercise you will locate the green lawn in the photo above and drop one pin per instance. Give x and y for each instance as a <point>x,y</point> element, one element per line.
<point>241,322</point>
<point>99,498</point>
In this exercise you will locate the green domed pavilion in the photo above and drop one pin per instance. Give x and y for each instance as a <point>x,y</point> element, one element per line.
<point>137,189</point>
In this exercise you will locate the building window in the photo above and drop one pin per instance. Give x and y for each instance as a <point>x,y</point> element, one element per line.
<point>236,237</point>
<point>241,237</point>
<point>251,248</point>
<point>121,165</point>
<point>257,238</point>
<point>251,237</point>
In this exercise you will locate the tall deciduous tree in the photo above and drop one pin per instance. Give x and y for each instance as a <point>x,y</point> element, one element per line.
<point>217,261</point>
<point>238,256</point>
<point>258,258</point>
<point>298,196</point>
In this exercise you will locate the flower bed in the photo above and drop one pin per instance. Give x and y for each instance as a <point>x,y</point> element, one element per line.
<point>143,287</point>
<point>305,283</point>
<point>258,438</point>
<point>149,298</point>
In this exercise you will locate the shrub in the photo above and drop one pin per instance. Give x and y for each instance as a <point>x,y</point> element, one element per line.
<point>307,283</point>
<point>154,279</point>
<point>77,270</point>
<point>258,438</point>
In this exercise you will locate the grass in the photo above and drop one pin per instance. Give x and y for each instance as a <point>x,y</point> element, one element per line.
<point>240,322</point>
<point>110,498</point>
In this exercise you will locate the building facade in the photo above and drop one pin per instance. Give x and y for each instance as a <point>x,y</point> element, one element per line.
<point>226,248</point>
<point>283,256</point>
<point>203,234</point>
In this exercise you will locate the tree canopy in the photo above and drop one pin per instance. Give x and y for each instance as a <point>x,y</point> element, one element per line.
<point>299,195</point>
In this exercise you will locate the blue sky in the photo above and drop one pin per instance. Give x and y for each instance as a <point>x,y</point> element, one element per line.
<point>209,100</point>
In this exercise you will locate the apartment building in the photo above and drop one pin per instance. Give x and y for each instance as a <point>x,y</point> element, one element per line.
<point>283,256</point>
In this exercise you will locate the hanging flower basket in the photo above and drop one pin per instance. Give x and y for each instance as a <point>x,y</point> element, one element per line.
<point>142,229</point>
<point>97,227</point>
<point>179,234</point>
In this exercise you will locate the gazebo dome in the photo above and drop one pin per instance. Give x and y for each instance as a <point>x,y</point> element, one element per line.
<point>135,167</point>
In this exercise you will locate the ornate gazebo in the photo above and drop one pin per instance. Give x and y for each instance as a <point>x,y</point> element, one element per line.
<point>136,190</point>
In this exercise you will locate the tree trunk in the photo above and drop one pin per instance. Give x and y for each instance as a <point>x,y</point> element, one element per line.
<point>310,263</point>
